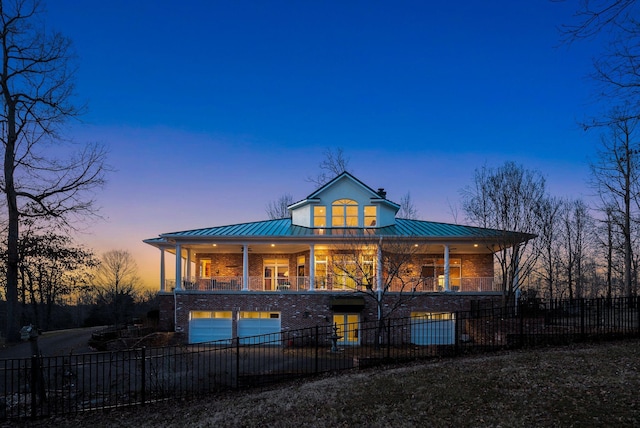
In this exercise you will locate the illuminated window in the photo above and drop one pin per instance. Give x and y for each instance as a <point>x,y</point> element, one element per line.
<point>205,268</point>
<point>344,271</point>
<point>344,213</point>
<point>321,271</point>
<point>320,216</point>
<point>370,216</point>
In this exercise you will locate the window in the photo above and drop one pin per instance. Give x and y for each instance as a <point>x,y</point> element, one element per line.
<point>434,271</point>
<point>368,270</point>
<point>320,216</point>
<point>205,268</point>
<point>344,213</point>
<point>344,271</point>
<point>321,272</point>
<point>370,216</point>
<point>301,274</point>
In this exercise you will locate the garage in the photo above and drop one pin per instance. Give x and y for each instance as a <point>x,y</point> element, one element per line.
<point>262,324</point>
<point>209,326</point>
<point>433,328</point>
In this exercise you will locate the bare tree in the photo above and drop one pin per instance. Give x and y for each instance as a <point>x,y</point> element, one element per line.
<point>333,164</point>
<point>280,208</point>
<point>596,16</point>
<point>548,239</point>
<point>117,282</point>
<point>577,226</point>
<point>376,267</point>
<point>41,178</point>
<point>615,176</point>
<point>407,209</point>
<point>508,199</point>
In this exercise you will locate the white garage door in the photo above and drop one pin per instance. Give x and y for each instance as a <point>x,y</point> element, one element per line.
<point>262,324</point>
<point>208,326</point>
<point>431,328</point>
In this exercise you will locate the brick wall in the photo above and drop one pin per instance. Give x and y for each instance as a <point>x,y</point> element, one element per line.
<point>308,309</point>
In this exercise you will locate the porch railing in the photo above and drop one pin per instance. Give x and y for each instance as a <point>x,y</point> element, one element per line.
<point>336,283</point>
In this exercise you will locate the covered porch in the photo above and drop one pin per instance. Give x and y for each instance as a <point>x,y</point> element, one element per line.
<point>415,267</point>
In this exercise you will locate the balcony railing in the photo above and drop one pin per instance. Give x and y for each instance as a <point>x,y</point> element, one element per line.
<point>336,283</point>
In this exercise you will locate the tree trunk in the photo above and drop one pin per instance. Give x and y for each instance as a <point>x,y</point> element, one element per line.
<point>13,308</point>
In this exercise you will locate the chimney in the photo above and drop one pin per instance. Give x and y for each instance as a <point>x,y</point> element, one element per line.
<point>382,193</point>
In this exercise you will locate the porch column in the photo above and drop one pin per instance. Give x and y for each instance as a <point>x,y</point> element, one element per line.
<point>446,268</point>
<point>245,267</point>
<point>162,279</point>
<point>312,268</point>
<point>188,264</point>
<point>178,267</point>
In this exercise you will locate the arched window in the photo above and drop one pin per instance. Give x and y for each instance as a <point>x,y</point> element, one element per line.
<point>344,213</point>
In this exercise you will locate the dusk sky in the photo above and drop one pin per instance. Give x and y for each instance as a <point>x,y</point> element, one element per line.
<point>212,109</point>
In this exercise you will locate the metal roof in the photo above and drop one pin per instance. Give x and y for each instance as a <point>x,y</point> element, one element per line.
<point>282,228</point>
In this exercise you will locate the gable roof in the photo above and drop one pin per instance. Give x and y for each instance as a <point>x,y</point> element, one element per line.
<point>344,175</point>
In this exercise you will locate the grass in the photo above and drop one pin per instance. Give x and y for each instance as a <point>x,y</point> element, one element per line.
<point>578,386</point>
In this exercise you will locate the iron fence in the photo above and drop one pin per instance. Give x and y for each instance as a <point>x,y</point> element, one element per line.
<point>45,386</point>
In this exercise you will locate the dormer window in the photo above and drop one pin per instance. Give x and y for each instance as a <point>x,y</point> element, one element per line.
<point>370,216</point>
<point>344,213</point>
<point>320,216</point>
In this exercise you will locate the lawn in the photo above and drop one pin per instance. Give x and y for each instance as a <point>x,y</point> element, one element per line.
<point>580,385</point>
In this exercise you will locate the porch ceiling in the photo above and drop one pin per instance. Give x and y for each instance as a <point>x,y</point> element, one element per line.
<point>293,248</point>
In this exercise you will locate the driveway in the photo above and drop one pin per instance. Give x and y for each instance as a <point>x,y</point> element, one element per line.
<point>54,343</point>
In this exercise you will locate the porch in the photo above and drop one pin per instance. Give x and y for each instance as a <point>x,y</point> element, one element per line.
<point>334,284</point>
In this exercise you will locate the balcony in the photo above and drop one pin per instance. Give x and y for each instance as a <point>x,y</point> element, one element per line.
<point>335,284</point>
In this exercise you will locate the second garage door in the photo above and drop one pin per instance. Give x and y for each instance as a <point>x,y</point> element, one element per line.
<point>264,325</point>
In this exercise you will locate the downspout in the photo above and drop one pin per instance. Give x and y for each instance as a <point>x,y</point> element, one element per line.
<point>446,268</point>
<point>162,273</point>
<point>312,268</point>
<point>245,267</point>
<point>379,279</point>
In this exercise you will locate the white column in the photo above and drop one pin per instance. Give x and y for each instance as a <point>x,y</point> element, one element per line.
<point>188,264</point>
<point>312,268</point>
<point>446,268</point>
<point>245,267</point>
<point>162,278</point>
<point>178,267</point>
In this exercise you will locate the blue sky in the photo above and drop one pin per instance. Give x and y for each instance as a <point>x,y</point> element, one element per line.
<point>211,109</point>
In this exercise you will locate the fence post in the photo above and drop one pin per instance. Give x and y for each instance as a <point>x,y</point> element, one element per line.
<point>388,338</point>
<point>317,346</point>
<point>237,362</point>
<point>521,339</point>
<point>143,375</point>
<point>582,313</point>
<point>456,327</point>
<point>34,385</point>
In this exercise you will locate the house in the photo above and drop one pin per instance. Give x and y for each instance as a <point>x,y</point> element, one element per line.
<point>342,258</point>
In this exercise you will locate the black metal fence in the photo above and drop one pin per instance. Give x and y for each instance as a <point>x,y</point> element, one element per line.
<point>44,386</point>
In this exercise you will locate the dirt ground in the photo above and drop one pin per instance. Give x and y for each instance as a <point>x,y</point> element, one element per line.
<point>581,385</point>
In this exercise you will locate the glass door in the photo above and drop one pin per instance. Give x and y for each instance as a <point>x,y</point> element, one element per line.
<point>276,275</point>
<point>348,328</point>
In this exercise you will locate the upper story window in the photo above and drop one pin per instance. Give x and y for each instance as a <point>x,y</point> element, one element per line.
<point>320,216</point>
<point>344,213</point>
<point>370,216</point>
